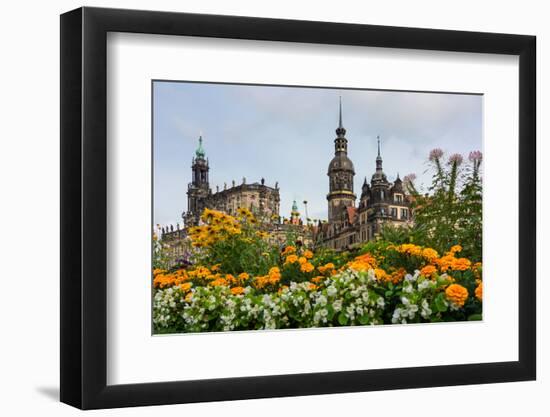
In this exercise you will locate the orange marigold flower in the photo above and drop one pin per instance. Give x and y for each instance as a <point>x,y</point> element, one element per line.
<point>457,294</point>
<point>479,291</point>
<point>158,271</point>
<point>445,262</point>
<point>290,259</point>
<point>461,264</point>
<point>456,248</point>
<point>380,274</point>
<point>317,279</point>
<point>363,263</point>
<point>237,290</point>
<point>302,260</point>
<point>274,275</point>
<point>218,282</point>
<point>306,267</point>
<point>326,268</point>
<point>428,270</point>
<point>410,249</point>
<point>311,286</point>
<point>308,254</point>
<point>288,250</point>
<point>186,286</point>
<point>163,281</point>
<point>430,254</point>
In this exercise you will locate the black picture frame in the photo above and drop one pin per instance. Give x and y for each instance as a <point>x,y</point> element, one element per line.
<point>84,207</point>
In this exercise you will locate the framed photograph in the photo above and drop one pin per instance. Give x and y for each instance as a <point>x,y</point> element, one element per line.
<point>257,208</point>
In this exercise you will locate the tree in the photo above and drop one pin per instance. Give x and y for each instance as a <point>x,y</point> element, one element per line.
<point>451,212</point>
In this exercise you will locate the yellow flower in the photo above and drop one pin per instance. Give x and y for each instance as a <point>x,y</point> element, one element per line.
<point>306,267</point>
<point>308,254</point>
<point>237,290</point>
<point>189,296</point>
<point>457,294</point>
<point>290,259</point>
<point>479,291</point>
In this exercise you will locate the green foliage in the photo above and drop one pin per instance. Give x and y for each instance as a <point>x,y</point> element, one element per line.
<point>451,212</point>
<point>244,252</point>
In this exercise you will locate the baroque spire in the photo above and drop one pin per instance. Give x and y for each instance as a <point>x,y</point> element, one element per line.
<point>379,157</point>
<point>340,143</point>
<point>200,153</point>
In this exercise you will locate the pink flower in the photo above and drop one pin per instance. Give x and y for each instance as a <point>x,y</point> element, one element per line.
<point>435,154</point>
<point>455,158</point>
<point>475,156</point>
<point>409,178</point>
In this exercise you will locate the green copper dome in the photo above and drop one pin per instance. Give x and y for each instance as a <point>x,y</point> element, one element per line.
<point>200,150</point>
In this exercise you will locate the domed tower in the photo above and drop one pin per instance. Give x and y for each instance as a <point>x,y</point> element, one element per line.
<point>340,173</point>
<point>198,189</point>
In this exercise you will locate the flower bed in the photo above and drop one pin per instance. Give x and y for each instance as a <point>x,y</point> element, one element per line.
<point>242,281</point>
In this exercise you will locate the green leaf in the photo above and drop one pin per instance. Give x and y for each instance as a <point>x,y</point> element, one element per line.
<point>342,319</point>
<point>475,317</point>
<point>440,304</point>
<point>364,319</point>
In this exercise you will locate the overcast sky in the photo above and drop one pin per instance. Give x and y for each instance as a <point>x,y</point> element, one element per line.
<point>286,134</point>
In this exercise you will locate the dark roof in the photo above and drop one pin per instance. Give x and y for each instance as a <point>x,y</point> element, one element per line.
<point>341,162</point>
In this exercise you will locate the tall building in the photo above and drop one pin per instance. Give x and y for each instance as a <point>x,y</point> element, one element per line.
<point>260,198</point>
<point>341,173</point>
<point>381,202</point>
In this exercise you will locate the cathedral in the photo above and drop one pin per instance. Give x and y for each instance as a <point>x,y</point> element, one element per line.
<point>261,199</point>
<point>381,202</point>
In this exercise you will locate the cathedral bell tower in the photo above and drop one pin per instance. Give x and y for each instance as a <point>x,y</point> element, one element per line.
<point>340,173</point>
<point>198,189</point>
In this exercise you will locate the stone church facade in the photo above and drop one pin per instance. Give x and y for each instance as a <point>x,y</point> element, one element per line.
<point>260,198</point>
<point>381,202</point>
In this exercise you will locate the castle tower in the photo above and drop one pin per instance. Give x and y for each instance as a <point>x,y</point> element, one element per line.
<point>198,189</point>
<point>380,193</point>
<point>340,173</point>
